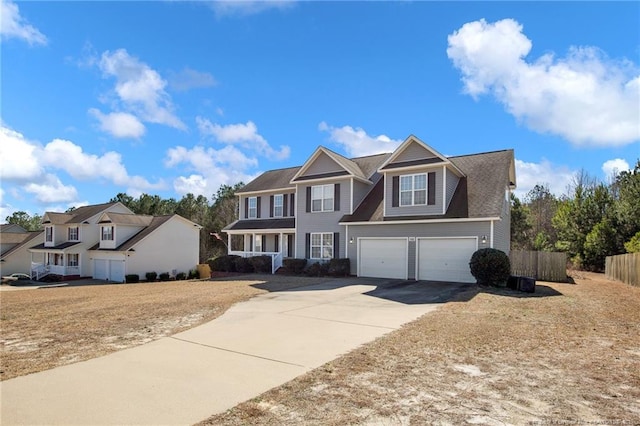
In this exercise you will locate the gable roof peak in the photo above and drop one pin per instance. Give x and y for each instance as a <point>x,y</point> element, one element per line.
<point>348,165</point>
<point>412,139</point>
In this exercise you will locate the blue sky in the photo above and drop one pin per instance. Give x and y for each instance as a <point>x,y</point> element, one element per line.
<point>174,97</point>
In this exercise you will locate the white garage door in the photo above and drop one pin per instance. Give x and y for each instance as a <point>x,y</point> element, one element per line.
<point>446,259</point>
<point>116,270</point>
<point>100,269</point>
<point>383,258</point>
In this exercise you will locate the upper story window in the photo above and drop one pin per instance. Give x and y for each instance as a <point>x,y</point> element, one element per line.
<point>322,198</point>
<point>73,233</point>
<point>106,233</point>
<point>278,205</point>
<point>413,190</point>
<point>252,207</point>
<point>321,245</point>
<point>48,234</point>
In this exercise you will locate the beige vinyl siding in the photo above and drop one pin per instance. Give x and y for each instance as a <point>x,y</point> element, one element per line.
<point>414,152</point>
<point>322,164</point>
<point>451,185</point>
<point>446,229</point>
<point>420,210</point>
<point>124,232</point>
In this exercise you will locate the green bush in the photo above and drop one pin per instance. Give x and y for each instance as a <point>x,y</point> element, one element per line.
<point>243,264</point>
<point>225,263</point>
<point>181,276</point>
<point>490,267</point>
<point>294,266</point>
<point>633,245</point>
<point>132,278</point>
<point>318,269</point>
<point>261,264</point>
<point>194,274</point>
<point>151,276</point>
<point>164,276</point>
<point>339,267</point>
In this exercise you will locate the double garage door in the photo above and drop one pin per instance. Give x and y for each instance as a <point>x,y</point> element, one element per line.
<point>436,259</point>
<point>108,269</point>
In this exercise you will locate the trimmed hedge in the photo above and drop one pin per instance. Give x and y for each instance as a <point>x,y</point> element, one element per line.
<point>181,276</point>
<point>132,278</point>
<point>294,266</point>
<point>490,267</point>
<point>151,276</point>
<point>243,264</point>
<point>318,269</point>
<point>225,263</point>
<point>164,276</point>
<point>261,264</point>
<point>339,267</point>
<point>194,274</point>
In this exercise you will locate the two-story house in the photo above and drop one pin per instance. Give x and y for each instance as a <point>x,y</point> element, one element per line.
<point>410,214</point>
<point>108,241</point>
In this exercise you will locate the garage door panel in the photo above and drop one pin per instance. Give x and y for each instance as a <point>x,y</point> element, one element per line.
<point>116,270</point>
<point>383,258</point>
<point>445,259</point>
<point>100,271</point>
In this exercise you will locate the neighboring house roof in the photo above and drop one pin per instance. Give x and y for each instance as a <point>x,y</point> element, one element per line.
<point>279,223</point>
<point>480,194</point>
<point>27,237</point>
<point>78,215</point>
<point>126,219</point>
<point>12,228</point>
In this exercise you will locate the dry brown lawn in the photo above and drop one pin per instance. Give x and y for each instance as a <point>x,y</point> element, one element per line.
<point>569,354</point>
<point>46,328</point>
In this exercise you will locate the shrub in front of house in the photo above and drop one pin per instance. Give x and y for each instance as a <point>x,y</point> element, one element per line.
<point>132,278</point>
<point>490,267</point>
<point>224,263</point>
<point>261,264</point>
<point>243,264</point>
<point>318,269</point>
<point>181,276</point>
<point>164,276</point>
<point>151,276</point>
<point>294,266</point>
<point>339,267</point>
<point>194,274</point>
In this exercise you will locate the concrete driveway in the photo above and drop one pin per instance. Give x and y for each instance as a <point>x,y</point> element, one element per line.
<point>253,347</point>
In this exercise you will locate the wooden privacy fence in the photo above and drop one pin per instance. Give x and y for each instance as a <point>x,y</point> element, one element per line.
<point>623,267</point>
<point>541,265</point>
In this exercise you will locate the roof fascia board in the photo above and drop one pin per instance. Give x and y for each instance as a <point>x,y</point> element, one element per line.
<point>334,178</point>
<point>263,191</point>
<point>260,231</point>
<point>405,222</point>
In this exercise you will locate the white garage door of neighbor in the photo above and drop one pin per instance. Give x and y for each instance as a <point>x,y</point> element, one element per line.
<point>383,258</point>
<point>116,270</point>
<point>100,271</point>
<point>446,259</point>
<point>112,270</point>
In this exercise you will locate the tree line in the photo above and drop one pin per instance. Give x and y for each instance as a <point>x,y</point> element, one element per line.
<point>592,221</point>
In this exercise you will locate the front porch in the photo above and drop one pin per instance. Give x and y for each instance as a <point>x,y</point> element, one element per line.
<point>44,263</point>
<point>278,245</point>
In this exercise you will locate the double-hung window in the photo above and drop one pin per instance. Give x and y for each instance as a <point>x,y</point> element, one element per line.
<point>322,245</point>
<point>413,190</point>
<point>72,259</point>
<point>48,231</point>
<point>73,233</point>
<point>107,233</point>
<point>322,198</point>
<point>252,207</point>
<point>278,205</point>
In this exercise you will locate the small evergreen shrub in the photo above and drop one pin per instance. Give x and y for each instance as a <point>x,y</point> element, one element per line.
<point>151,276</point>
<point>243,264</point>
<point>194,274</point>
<point>164,276</point>
<point>490,267</point>
<point>132,278</point>
<point>181,276</point>
<point>339,267</point>
<point>261,264</point>
<point>318,269</point>
<point>225,263</point>
<point>294,266</point>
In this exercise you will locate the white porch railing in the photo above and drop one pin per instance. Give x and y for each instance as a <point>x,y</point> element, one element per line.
<point>39,270</point>
<point>276,257</point>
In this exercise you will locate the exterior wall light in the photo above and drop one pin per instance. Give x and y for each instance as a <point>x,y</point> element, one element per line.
<point>483,239</point>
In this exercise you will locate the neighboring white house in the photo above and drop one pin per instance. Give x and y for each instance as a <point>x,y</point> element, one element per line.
<point>108,241</point>
<point>14,244</point>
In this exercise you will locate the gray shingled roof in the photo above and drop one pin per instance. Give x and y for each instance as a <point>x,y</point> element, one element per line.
<point>155,224</point>
<point>279,223</point>
<point>127,219</point>
<point>78,215</point>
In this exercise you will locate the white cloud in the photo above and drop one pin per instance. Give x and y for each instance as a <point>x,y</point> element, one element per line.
<point>558,178</point>
<point>245,135</point>
<point>188,79</point>
<point>140,89</point>
<point>611,168</point>
<point>52,190</point>
<point>247,7</point>
<point>18,160</point>
<point>357,143</point>
<point>584,97</point>
<point>12,25</point>
<point>119,124</point>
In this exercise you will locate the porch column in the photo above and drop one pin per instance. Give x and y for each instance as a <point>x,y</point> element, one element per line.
<point>253,243</point>
<point>228,243</point>
<point>280,244</point>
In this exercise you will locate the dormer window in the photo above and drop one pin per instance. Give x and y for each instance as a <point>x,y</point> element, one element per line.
<point>106,233</point>
<point>413,190</point>
<point>322,198</point>
<point>48,234</point>
<point>73,233</point>
<point>253,207</point>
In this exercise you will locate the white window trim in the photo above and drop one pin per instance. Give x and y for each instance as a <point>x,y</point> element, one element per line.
<point>77,237</point>
<point>112,231</point>
<point>413,190</point>
<point>48,234</point>
<point>331,188</point>
<point>77,259</point>
<point>322,246</point>
<point>254,208</point>
<point>281,205</point>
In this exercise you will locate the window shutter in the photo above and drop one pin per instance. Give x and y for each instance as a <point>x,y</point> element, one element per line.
<point>264,242</point>
<point>276,245</point>
<point>292,204</point>
<point>258,207</point>
<point>246,207</point>
<point>271,206</point>
<point>308,199</point>
<point>395,191</point>
<point>285,205</point>
<point>431,188</point>
<point>336,197</point>
<point>307,245</point>
<point>336,245</point>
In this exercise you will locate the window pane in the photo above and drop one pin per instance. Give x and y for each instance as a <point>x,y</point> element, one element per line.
<point>316,205</point>
<point>405,198</point>
<point>327,252</point>
<point>405,183</point>
<point>420,197</point>
<point>315,252</point>
<point>253,202</point>
<point>316,239</point>
<point>327,204</point>
<point>420,182</point>
<point>327,239</point>
<point>328,191</point>
<point>277,211</point>
<point>316,192</point>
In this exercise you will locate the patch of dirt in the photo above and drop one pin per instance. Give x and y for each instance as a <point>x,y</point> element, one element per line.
<point>46,328</point>
<point>568,354</point>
